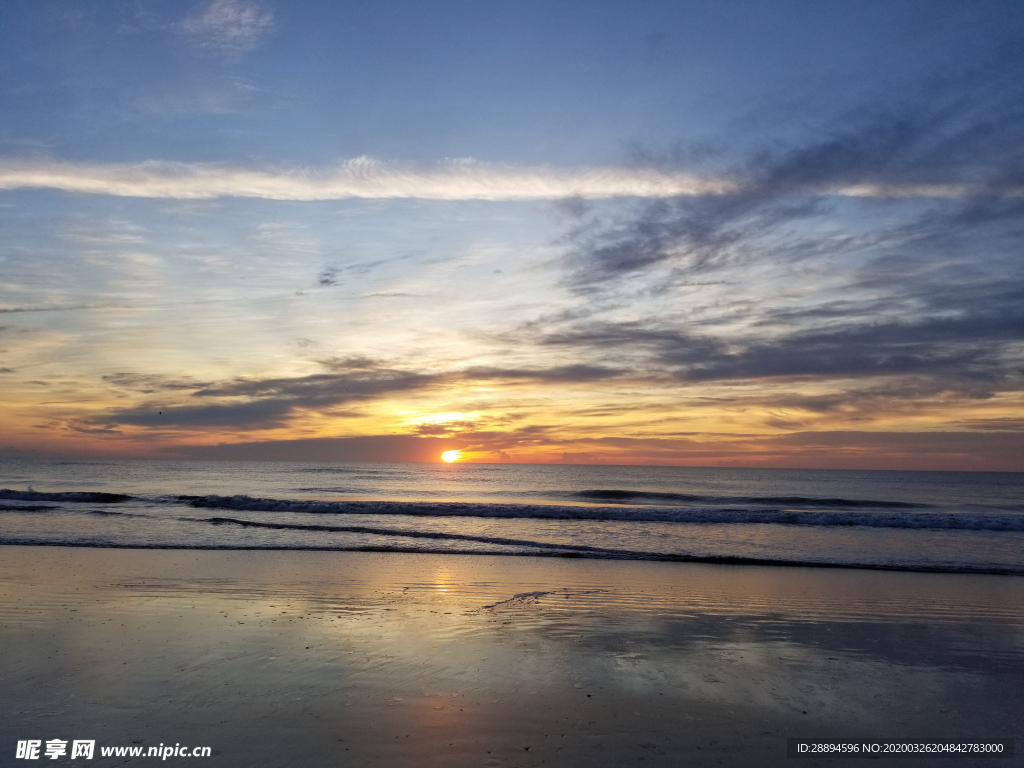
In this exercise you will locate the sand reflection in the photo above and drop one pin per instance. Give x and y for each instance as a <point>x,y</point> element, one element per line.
<point>485,660</point>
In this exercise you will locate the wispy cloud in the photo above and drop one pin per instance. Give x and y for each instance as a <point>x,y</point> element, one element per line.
<point>361,177</point>
<point>364,177</point>
<point>228,26</point>
<point>972,347</point>
<point>954,145</point>
<point>864,307</point>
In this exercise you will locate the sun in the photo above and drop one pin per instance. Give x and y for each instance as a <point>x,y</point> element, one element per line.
<point>451,456</point>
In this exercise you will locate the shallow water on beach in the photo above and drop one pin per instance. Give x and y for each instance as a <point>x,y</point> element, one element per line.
<point>942,521</point>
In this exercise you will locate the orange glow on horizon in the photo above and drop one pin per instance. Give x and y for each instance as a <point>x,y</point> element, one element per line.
<point>451,456</point>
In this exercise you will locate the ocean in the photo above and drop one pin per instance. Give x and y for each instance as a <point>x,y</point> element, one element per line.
<point>918,521</point>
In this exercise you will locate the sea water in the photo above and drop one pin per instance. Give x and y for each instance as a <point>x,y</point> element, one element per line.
<point>931,521</point>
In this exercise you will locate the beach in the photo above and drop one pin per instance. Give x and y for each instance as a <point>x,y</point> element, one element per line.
<point>511,385</point>
<point>278,658</point>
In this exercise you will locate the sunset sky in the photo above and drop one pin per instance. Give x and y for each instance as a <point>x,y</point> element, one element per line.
<point>701,233</point>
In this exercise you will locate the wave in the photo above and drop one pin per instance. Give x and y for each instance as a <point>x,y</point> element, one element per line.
<point>89,497</point>
<point>649,497</point>
<point>439,535</point>
<point>51,510</point>
<point>397,548</point>
<point>26,508</point>
<point>971,521</point>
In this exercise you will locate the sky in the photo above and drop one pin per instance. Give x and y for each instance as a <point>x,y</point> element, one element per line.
<point>776,234</point>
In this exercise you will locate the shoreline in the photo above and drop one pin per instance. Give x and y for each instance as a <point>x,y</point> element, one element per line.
<point>598,555</point>
<point>276,657</point>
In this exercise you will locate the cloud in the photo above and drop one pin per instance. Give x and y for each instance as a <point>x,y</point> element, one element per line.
<point>1003,424</point>
<point>64,308</point>
<point>230,27</point>
<point>942,342</point>
<point>361,177</point>
<point>263,403</point>
<point>399,448</point>
<point>262,414</point>
<point>944,161</point>
<point>560,374</point>
<point>366,178</point>
<point>326,389</point>
<point>777,283</point>
<point>149,383</point>
<point>252,403</point>
<point>328,277</point>
<point>973,347</point>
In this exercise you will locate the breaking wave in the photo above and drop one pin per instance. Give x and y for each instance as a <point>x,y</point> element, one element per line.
<point>894,516</point>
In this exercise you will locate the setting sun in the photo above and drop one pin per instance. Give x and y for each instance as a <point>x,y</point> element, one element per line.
<point>450,456</point>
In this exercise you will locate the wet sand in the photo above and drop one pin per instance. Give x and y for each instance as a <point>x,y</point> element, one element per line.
<point>352,659</point>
